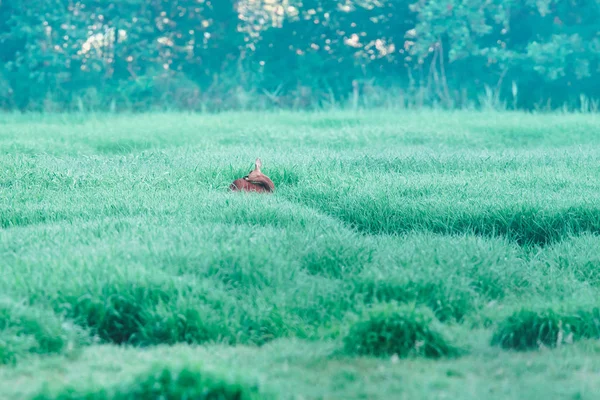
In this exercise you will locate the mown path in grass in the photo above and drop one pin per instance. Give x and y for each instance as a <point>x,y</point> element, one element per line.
<point>121,230</point>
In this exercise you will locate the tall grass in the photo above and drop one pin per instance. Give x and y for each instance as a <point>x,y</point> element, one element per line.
<point>122,230</point>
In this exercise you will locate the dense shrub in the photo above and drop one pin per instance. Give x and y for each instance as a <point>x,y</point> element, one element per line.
<point>402,330</point>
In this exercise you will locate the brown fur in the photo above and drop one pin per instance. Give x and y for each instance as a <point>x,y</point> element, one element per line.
<point>255,181</point>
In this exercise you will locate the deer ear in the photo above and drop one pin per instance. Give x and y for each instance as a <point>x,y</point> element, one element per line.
<point>258,164</point>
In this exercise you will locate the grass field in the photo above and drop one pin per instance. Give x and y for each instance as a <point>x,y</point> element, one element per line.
<point>404,255</point>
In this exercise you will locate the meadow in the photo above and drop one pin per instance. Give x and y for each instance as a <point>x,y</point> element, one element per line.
<point>403,255</point>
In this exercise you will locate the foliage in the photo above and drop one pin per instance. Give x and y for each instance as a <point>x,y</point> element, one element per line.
<point>244,54</point>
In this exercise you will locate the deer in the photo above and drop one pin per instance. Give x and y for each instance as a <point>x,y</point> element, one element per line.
<point>255,181</point>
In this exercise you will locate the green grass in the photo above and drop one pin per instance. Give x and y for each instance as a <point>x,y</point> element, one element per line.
<point>402,331</point>
<point>122,253</point>
<point>529,329</point>
<point>164,383</point>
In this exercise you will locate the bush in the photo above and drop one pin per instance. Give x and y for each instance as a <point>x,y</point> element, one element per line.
<point>27,330</point>
<point>402,330</point>
<point>529,329</point>
<point>187,383</point>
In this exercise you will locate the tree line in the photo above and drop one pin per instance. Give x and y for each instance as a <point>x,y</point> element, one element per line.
<point>212,55</point>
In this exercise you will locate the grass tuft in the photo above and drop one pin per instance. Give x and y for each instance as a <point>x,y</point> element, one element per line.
<point>128,313</point>
<point>405,331</point>
<point>27,330</point>
<point>533,329</point>
<point>165,383</point>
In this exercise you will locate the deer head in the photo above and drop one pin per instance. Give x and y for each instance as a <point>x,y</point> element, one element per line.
<point>255,181</point>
